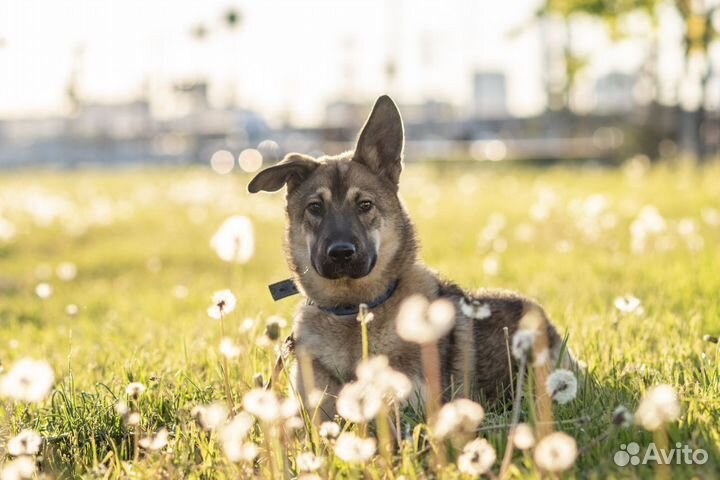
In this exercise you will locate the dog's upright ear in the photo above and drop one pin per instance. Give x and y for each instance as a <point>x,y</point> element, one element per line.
<point>291,171</point>
<point>381,141</point>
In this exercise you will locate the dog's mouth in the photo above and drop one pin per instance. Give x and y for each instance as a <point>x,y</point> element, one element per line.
<point>355,269</point>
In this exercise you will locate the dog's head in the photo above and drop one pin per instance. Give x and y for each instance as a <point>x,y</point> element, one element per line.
<point>345,220</point>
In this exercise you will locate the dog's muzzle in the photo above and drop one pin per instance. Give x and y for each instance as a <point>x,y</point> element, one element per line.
<point>342,258</point>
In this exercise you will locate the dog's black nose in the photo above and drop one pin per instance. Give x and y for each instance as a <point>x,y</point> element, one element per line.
<point>341,252</point>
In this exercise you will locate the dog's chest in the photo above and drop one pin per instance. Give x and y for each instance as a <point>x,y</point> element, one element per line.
<point>336,342</point>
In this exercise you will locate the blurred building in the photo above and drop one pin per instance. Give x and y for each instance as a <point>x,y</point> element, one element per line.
<point>489,95</point>
<point>614,94</point>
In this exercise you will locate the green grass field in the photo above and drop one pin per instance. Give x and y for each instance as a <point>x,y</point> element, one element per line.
<point>146,273</point>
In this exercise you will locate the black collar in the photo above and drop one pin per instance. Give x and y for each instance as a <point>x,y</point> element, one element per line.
<point>287,288</point>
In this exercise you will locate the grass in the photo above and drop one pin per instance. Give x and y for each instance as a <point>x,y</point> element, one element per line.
<point>136,235</point>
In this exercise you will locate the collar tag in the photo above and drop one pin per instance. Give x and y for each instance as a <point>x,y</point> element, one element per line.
<point>282,289</point>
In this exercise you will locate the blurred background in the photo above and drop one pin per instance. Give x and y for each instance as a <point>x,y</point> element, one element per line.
<point>185,82</point>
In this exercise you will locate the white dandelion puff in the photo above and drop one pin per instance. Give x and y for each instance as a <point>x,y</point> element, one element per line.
<point>135,389</point>
<point>622,417</point>
<point>132,419</point>
<point>233,435</point>
<point>263,404</point>
<point>329,430</point>
<point>155,442</point>
<point>27,442</point>
<point>19,469</point>
<point>522,342</point>
<point>27,381</point>
<point>234,241</point>
<point>659,405</point>
<point>477,458</point>
<point>628,304</point>
<point>43,290</point>
<point>309,462</point>
<point>66,271</point>
<point>71,309</point>
<point>561,385</point>
<point>459,415</point>
<point>121,408</point>
<point>420,321</point>
<point>523,437</point>
<point>224,302</point>
<point>229,349</point>
<point>555,452</point>
<point>353,449</point>
<point>212,416</point>
<point>359,402</point>
<point>247,324</point>
<point>475,309</point>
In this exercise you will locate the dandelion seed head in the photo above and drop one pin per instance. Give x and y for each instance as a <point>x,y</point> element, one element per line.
<point>247,324</point>
<point>359,402</point>
<point>561,385</point>
<point>132,419</point>
<point>229,349</point>
<point>43,290</point>
<point>461,415</point>
<point>477,458</point>
<point>628,304</point>
<point>121,408</point>
<point>622,417</point>
<point>353,449</point>
<point>294,423</point>
<point>555,452</point>
<point>71,309</point>
<point>522,342</point>
<point>475,309</point>
<point>659,405</point>
<point>223,302</point>
<point>309,462</point>
<point>234,241</point>
<point>27,381</point>
<point>420,321</point>
<point>155,442</point>
<point>329,430</point>
<point>27,442</point>
<point>523,437</point>
<point>263,404</point>
<point>212,416</point>
<point>19,469</point>
<point>135,389</point>
<point>180,291</point>
<point>233,435</point>
<point>66,271</point>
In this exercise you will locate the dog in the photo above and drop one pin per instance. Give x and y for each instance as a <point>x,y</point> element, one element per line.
<point>350,241</point>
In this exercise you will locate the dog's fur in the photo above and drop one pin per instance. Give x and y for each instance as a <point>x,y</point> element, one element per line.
<point>353,197</point>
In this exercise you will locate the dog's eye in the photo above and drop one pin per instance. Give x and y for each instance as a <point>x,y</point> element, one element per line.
<point>315,208</point>
<point>365,205</point>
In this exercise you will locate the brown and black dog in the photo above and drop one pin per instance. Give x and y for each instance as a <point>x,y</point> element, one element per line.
<point>349,241</point>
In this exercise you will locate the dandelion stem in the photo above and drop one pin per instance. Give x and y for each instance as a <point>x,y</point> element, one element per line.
<point>431,369</point>
<point>517,404</point>
<point>662,470</point>
<point>362,316</point>
<point>509,358</point>
<point>466,360</point>
<point>226,376</point>
<point>383,430</point>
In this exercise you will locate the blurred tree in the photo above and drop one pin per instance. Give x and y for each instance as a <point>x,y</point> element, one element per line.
<point>233,19</point>
<point>698,33</point>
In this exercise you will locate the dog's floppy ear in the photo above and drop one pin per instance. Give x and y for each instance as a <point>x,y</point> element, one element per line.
<point>381,141</point>
<point>291,170</point>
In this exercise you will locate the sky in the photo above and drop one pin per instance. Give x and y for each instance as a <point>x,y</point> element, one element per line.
<point>287,59</point>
